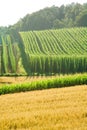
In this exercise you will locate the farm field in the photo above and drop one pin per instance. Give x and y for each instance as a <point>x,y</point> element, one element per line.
<point>39,60</point>
<point>43,68</point>
<point>8,80</point>
<point>22,79</point>
<point>22,84</point>
<point>46,52</point>
<point>53,109</point>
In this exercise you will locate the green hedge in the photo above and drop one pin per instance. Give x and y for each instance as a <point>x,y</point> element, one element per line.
<point>62,81</point>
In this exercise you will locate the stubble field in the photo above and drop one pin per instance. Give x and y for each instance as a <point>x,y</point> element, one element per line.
<point>53,109</point>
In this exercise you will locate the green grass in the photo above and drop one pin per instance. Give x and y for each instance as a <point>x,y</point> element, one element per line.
<point>57,82</point>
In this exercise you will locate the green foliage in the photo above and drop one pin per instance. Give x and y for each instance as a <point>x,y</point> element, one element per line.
<point>58,24</point>
<point>49,18</point>
<point>11,54</point>
<point>52,17</point>
<point>55,51</point>
<point>45,52</point>
<point>63,81</point>
<point>82,19</point>
<point>4,55</point>
<point>3,31</point>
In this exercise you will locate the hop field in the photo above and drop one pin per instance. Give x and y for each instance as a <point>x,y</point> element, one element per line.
<point>58,54</point>
<point>47,52</point>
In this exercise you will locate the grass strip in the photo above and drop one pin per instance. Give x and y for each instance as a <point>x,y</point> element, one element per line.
<point>64,81</point>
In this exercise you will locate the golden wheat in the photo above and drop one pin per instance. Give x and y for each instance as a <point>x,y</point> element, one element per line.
<point>53,109</point>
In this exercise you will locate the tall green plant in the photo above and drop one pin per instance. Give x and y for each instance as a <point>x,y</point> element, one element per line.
<point>11,54</point>
<point>4,55</point>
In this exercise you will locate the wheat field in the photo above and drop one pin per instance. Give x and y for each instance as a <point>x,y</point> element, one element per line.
<point>53,109</point>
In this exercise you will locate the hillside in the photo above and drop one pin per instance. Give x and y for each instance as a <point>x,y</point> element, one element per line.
<point>71,15</point>
<point>44,52</point>
<point>54,109</point>
<point>56,42</point>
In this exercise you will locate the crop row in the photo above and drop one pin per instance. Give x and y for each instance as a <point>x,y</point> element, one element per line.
<point>56,51</point>
<point>45,52</point>
<point>63,81</point>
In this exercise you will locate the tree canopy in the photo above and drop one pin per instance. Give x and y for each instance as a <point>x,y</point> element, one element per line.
<point>72,15</point>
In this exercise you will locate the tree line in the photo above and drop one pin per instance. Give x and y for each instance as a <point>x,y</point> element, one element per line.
<point>72,15</point>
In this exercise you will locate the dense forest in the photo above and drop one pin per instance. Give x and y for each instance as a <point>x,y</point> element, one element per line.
<point>54,17</point>
<point>72,15</point>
